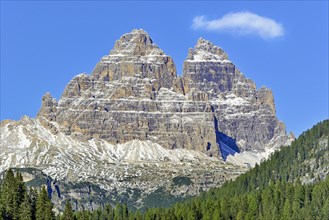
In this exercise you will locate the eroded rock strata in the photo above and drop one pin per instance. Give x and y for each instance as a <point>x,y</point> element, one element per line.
<point>134,94</point>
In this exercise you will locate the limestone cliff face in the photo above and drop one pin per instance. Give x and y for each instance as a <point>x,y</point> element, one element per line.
<point>135,54</point>
<point>246,116</point>
<point>130,96</point>
<point>207,68</point>
<point>134,94</point>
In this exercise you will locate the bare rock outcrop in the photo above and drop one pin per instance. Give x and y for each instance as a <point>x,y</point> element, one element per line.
<point>135,54</point>
<point>134,94</point>
<point>245,116</point>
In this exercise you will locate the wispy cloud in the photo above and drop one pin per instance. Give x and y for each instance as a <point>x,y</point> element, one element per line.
<point>241,23</point>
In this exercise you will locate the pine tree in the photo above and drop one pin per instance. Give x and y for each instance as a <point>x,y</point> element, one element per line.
<point>138,215</point>
<point>295,210</point>
<point>325,209</point>
<point>252,207</point>
<point>19,193</point>
<point>33,194</point>
<point>25,210</point>
<point>286,212</point>
<point>20,187</point>
<point>125,211</point>
<point>216,214</point>
<point>68,212</point>
<point>207,215</point>
<point>84,215</point>
<point>224,206</point>
<point>108,210</point>
<point>12,195</point>
<point>103,215</point>
<point>44,206</point>
<point>2,211</point>
<point>118,212</point>
<point>240,215</point>
<point>8,196</point>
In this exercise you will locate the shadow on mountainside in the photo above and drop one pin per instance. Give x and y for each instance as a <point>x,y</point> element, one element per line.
<point>227,145</point>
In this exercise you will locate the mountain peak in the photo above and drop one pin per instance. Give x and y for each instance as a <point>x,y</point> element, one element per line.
<point>202,41</point>
<point>135,55</point>
<point>138,42</point>
<point>138,31</point>
<point>205,50</point>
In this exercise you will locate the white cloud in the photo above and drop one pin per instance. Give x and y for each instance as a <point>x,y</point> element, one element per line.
<point>241,23</point>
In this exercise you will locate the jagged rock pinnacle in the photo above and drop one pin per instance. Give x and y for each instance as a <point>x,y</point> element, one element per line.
<point>138,43</point>
<point>204,50</point>
<point>135,54</point>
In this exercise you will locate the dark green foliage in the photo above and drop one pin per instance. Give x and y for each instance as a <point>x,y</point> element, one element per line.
<point>18,203</point>
<point>25,210</point>
<point>277,201</point>
<point>44,206</point>
<point>68,212</point>
<point>33,194</point>
<point>12,195</point>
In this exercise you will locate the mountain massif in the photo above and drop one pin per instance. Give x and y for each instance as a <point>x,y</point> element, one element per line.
<point>133,129</point>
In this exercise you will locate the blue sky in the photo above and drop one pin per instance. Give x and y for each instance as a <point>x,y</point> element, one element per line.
<point>45,44</point>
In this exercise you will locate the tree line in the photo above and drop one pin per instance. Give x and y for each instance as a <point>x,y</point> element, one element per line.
<point>280,200</point>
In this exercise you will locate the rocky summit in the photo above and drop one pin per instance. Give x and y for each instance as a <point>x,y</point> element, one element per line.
<point>133,128</point>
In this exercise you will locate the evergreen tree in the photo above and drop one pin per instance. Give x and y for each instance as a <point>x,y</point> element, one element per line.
<point>216,214</point>
<point>20,187</point>
<point>33,194</point>
<point>84,215</point>
<point>118,212</point>
<point>138,215</point>
<point>240,215</point>
<point>325,209</point>
<point>125,212</point>
<point>252,207</point>
<point>286,212</point>
<point>19,191</point>
<point>25,210</point>
<point>2,208</point>
<point>68,212</point>
<point>44,206</point>
<point>8,196</point>
<point>109,211</point>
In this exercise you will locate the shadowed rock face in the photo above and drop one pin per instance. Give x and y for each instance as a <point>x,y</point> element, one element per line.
<point>134,94</point>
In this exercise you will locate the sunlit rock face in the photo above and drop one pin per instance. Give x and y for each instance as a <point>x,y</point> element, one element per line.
<point>134,94</point>
<point>135,55</point>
